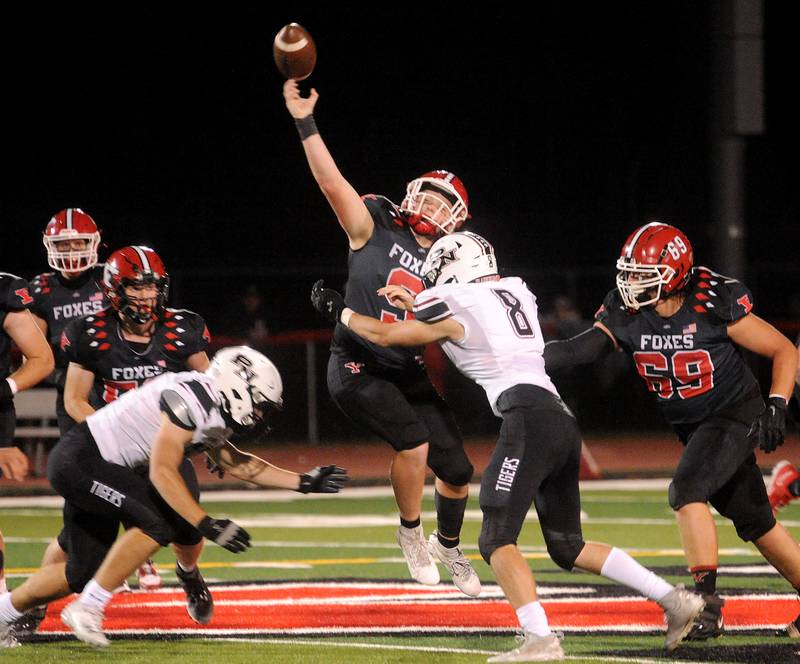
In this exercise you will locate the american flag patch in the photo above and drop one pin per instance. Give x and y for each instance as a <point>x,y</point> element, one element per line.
<point>690,329</point>
<point>96,296</point>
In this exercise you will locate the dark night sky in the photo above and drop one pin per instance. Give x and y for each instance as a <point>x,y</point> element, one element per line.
<point>569,128</point>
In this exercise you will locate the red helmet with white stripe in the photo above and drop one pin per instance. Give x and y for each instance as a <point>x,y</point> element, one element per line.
<point>136,267</point>
<point>63,252</point>
<point>656,261</point>
<point>436,203</point>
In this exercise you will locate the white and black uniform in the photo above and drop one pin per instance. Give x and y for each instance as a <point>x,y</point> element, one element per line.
<point>100,468</point>
<point>537,457</point>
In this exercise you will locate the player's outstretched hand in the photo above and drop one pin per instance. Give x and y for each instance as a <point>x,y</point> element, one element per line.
<point>398,296</point>
<point>327,301</point>
<point>323,479</point>
<point>214,468</point>
<point>14,464</point>
<point>299,107</point>
<point>771,424</point>
<point>226,533</point>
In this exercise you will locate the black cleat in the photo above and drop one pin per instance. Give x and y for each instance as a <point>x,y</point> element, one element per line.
<point>708,625</point>
<point>24,627</point>
<point>199,602</point>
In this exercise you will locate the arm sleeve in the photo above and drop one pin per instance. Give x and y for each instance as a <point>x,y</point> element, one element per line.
<point>583,348</point>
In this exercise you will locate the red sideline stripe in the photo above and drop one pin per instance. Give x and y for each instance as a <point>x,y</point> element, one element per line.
<point>607,614</point>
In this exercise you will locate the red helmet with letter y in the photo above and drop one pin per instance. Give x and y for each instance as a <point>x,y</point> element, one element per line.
<point>436,203</point>
<point>655,262</point>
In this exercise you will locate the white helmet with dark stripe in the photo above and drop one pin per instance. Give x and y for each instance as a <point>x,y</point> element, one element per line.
<point>250,385</point>
<point>459,258</point>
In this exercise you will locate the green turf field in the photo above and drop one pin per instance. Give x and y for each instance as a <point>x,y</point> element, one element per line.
<point>353,537</point>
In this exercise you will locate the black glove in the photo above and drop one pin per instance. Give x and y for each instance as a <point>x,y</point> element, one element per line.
<point>323,479</point>
<point>6,393</point>
<point>225,533</point>
<point>771,424</point>
<point>214,468</point>
<point>327,301</point>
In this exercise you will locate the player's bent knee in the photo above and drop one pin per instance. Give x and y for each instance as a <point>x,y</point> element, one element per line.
<point>564,548</point>
<point>685,491</point>
<point>457,473</point>
<point>488,545</point>
<point>754,526</point>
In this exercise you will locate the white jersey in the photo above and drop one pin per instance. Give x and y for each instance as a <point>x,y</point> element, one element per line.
<point>125,429</point>
<point>502,345</point>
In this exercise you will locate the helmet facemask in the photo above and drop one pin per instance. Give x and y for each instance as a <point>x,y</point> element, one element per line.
<point>131,309</point>
<point>641,285</point>
<point>434,207</point>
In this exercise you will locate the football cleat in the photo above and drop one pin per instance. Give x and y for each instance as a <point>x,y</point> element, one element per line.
<point>86,623</point>
<point>533,649</point>
<point>792,629</point>
<point>7,638</point>
<point>149,578</point>
<point>708,625</point>
<point>781,478</point>
<point>199,602</point>
<point>457,565</point>
<point>415,549</point>
<point>681,607</point>
<point>29,622</point>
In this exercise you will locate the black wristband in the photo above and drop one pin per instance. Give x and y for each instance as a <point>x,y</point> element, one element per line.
<point>306,127</point>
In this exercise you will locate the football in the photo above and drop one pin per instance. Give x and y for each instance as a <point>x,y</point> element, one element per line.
<point>294,52</point>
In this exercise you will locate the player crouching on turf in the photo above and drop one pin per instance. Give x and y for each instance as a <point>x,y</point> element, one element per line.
<point>166,419</point>
<point>489,329</point>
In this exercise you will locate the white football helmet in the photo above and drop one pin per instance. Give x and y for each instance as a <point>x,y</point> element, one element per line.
<point>459,258</point>
<point>249,383</point>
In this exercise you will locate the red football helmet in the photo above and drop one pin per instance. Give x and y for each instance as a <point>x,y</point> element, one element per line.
<point>133,266</point>
<point>434,215</point>
<point>67,225</point>
<point>656,261</point>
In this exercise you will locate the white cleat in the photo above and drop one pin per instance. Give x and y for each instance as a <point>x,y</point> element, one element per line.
<point>149,578</point>
<point>415,549</point>
<point>681,607</point>
<point>533,649</point>
<point>7,638</point>
<point>86,623</point>
<point>457,566</point>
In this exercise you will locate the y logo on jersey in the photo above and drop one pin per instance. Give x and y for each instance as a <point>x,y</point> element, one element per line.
<point>355,367</point>
<point>23,295</point>
<point>407,260</point>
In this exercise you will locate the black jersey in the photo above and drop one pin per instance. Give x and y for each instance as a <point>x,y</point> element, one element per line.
<point>14,296</point>
<point>95,342</point>
<point>391,256</point>
<point>688,360</point>
<point>58,301</point>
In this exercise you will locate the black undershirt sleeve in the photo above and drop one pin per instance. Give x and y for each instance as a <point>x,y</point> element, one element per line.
<point>583,348</point>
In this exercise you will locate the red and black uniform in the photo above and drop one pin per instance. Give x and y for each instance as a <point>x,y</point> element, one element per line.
<point>96,343</point>
<point>14,296</point>
<point>59,301</point>
<point>387,390</point>
<point>706,391</point>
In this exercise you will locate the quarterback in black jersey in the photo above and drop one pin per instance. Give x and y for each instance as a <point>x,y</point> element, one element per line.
<point>684,326</point>
<point>387,390</point>
<point>72,291</point>
<point>17,325</point>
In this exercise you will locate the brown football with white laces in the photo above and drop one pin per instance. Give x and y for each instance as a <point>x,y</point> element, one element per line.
<point>294,52</point>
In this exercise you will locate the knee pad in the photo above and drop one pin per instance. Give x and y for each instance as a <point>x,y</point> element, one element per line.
<point>683,491</point>
<point>80,573</point>
<point>451,466</point>
<point>750,527</point>
<point>563,548</point>
<point>493,536</point>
